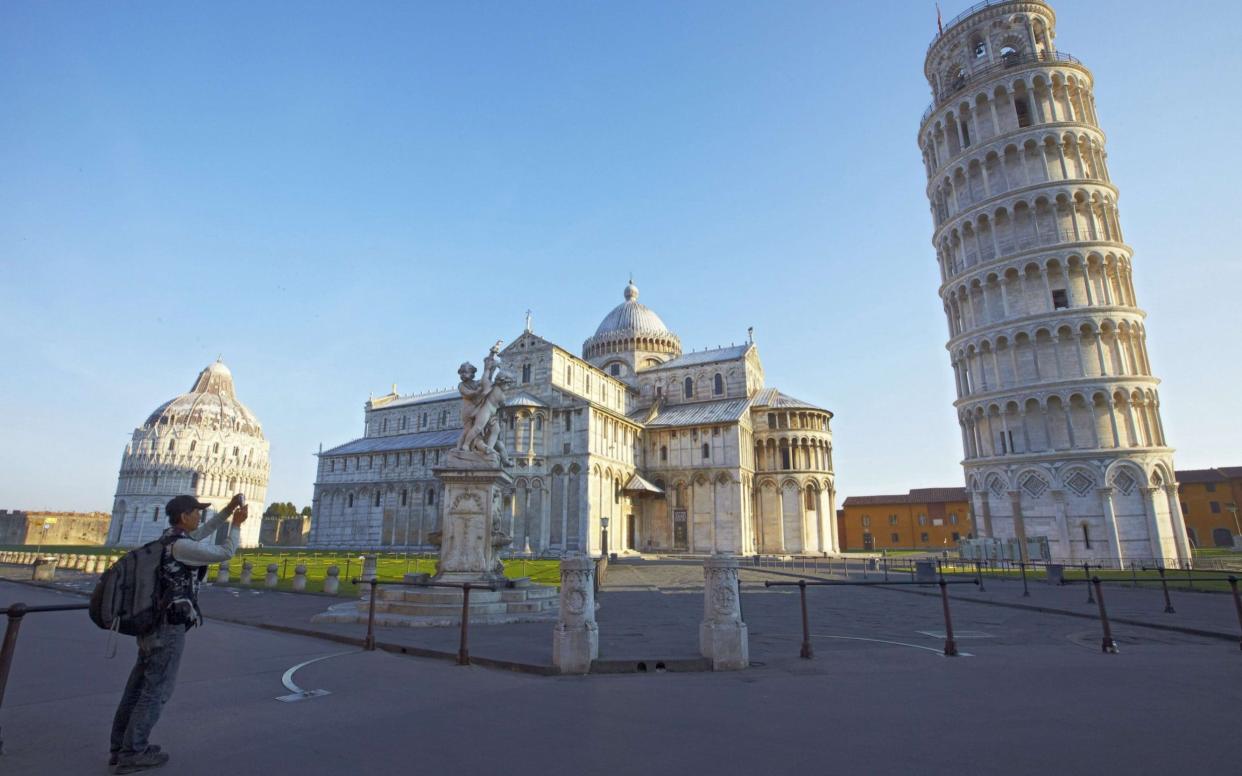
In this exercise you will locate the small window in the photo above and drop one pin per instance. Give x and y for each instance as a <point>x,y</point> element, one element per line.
<point>569,421</point>
<point>866,521</point>
<point>403,419</point>
<point>1210,486</point>
<point>707,451</point>
<point>688,387</point>
<point>810,500</point>
<point>443,418</point>
<point>895,538</point>
<point>431,498</point>
<point>663,453</point>
<point>384,426</point>
<point>952,518</point>
<point>1215,507</point>
<point>526,373</point>
<point>215,449</point>
<point>155,480</point>
<point>981,49</point>
<point>785,458</point>
<point>404,497</point>
<point>234,452</point>
<point>350,500</point>
<point>422,420</point>
<point>922,519</point>
<point>172,445</point>
<point>193,445</point>
<point>539,423</point>
<point>923,538</point>
<point>194,481</point>
<point>424,458</point>
<point>377,498</point>
<point>1009,54</point>
<point>965,133</point>
<point>614,370</point>
<point>1060,299</point>
<point>155,514</point>
<point>512,422</point>
<point>892,519</point>
<point>956,536</point>
<point>718,385</point>
<point>771,420</point>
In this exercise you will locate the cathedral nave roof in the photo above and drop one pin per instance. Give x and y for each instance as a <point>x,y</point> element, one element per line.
<point>387,444</point>
<point>731,353</point>
<point>698,413</point>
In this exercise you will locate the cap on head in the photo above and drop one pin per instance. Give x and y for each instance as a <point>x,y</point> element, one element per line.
<point>179,505</point>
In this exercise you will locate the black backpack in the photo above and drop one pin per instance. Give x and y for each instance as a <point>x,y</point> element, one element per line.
<point>130,597</point>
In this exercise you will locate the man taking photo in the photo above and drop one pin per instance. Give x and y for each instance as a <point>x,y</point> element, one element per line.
<point>188,549</point>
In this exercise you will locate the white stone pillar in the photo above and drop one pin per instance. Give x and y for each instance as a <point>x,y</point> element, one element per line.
<point>1179,526</point>
<point>1110,521</point>
<point>575,641</point>
<point>273,578</point>
<point>722,635</point>
<point>1063,534</point>
<point>299,578</point>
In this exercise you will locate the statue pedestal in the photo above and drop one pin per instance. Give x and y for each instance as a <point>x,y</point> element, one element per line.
<point>472,532</point>
<point>471,539</point>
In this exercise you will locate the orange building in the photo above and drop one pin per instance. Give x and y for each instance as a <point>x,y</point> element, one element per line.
<point>924,518</point>
<point>1210,499</point>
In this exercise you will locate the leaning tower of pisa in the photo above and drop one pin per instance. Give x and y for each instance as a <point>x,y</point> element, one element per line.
<point>1058,406</point>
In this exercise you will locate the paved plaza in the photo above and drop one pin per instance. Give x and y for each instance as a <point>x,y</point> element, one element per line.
<point>1035,693</point>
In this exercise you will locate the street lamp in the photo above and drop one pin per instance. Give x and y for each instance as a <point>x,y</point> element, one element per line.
<point>1232,506</point>
<point>603,527</point>
<point>47,525</point>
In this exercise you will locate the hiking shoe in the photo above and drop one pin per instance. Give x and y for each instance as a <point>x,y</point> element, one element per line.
<point>141,762</point>
<point>115,757</point>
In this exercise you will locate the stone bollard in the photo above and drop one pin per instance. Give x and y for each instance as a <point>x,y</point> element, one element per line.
<point>575,641</point>
<point>222,573</point>
<point>91,565</point>
<point>247,573</point>
<point>79,562</point>
<point>723,636</point>
<point>332,582</point>
<point>45,569</point>
<point>299,578</point>
<point>272,579</point>
<point>370,563</point>
<point>925,572</point>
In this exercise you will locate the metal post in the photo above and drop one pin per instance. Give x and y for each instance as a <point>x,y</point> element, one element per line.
<point>1109,646</point>
<point>1086,574</point>
<point>740,615</point>
<point>284,569</point>
<point>1190,580</point>
<point>1026,593</point>
<point>1233,583</point>
<point>1164,583</point>
<point>463,649</point>
<point>369,644</point>
<point>1134,574</point>
<point>885,565</point>
<point>806,653</point>
<point>950,646</point>
<point>979,576</point>
<point>15,613</point>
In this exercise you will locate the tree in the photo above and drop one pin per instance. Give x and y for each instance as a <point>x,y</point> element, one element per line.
<point>306,511</point>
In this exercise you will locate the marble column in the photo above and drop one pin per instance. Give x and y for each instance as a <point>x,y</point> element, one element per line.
<point>1019,524</point>
<point>1179,526</point>
<point>575,640</point>
<point>722,635</point>
<point>1110,522</point>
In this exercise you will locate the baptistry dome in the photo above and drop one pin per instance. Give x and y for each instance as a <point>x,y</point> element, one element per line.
<point>628,328</point>
<point>211,403</point>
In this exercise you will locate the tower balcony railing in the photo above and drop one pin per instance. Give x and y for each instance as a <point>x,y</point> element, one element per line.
<point>945,26</point>
<point>1007,63</point>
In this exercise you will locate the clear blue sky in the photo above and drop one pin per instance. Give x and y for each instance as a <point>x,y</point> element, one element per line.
<point>342,196</point>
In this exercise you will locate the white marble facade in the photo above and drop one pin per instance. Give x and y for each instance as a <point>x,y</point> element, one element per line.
<point>1058,406</point>
<point>203,443</point>
<point>633,446</point>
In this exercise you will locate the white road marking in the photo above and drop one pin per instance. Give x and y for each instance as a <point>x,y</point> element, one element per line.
<point>297,693</point>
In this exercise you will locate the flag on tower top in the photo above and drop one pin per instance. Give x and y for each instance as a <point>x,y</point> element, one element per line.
<point>939,24</point>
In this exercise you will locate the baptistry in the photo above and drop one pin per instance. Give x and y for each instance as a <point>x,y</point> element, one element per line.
<point>1058,406</point>
<point>205,443</point>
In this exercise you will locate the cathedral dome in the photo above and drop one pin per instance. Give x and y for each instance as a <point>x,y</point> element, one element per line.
<point>630,327</point>
<point>210,403</point>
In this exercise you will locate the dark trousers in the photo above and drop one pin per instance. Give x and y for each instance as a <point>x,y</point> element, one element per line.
<point>149,687</point>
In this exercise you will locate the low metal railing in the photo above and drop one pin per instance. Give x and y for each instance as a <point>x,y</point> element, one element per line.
<point>463,644</point>
<point>15,613</point>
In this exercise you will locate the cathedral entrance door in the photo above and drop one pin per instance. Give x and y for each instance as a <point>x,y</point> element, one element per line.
<point>680,538</point>
<point>629,532</point>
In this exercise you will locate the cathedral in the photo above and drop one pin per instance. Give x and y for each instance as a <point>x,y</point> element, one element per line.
<point>631,446</point>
